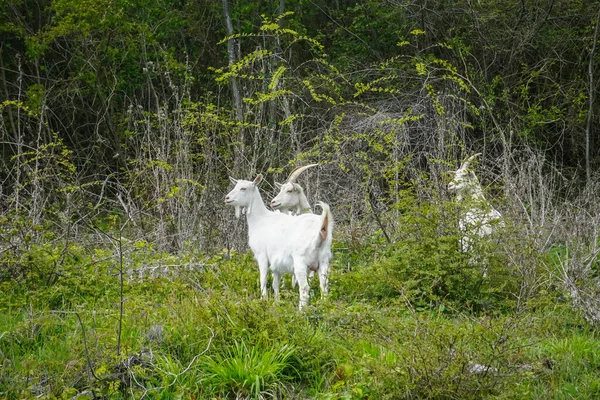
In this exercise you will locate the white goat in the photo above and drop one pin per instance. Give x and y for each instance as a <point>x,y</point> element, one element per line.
<point>481,218</point>
<point>291,198</point>
<point>284,243</point>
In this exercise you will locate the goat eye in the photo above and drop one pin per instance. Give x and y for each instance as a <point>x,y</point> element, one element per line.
<point>242,189</point>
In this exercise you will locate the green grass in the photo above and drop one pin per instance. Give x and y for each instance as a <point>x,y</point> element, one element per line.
<point>249,371</point>
<point>206,333</point>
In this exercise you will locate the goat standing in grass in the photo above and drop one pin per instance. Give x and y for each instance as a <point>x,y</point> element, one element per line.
<point>291,198</point>
<point>284,243</point>
<point>480,219</point>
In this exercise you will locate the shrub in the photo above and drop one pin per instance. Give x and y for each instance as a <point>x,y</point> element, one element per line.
<point>425,266</point>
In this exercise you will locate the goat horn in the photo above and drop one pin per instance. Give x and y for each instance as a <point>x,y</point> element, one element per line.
<point>295,173</point>
<point>469,160</point>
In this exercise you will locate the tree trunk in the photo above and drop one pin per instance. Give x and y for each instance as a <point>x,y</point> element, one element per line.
<point>235,90</point>
<point>591,103</point>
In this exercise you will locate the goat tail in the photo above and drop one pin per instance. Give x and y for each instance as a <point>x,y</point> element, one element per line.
<point>327,221</point>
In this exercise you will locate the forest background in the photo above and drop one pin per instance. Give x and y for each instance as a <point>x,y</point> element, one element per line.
<point>121,121</point>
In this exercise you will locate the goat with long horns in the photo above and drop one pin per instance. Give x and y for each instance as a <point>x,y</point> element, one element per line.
<point>291,198</point>
<point>481,218</point>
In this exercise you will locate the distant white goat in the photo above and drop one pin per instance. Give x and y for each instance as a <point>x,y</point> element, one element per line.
<point>284,243</point>
<point>291,198</point>
<point>481,218</point>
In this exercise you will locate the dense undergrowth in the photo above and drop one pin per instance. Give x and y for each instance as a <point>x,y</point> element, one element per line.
<point>411,319</point>
<point>120,122</point>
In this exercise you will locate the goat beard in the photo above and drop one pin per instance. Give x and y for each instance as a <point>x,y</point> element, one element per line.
<point>239,210</point>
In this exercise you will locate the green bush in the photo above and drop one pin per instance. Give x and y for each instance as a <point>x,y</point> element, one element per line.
<point>426,268</point>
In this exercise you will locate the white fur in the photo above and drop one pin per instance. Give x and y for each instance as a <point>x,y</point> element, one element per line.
<point>481,219</point>
<point>291,198</point>
<point>284,243</point>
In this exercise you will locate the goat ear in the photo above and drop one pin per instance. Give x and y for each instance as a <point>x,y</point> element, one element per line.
<point>257,180</point>
<point>234,181</point>
<point>278,185</point>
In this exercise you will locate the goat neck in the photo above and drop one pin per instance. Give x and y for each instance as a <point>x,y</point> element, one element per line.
<point>304,205</point>
<point>256,209</point>
<point>471,191</point>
